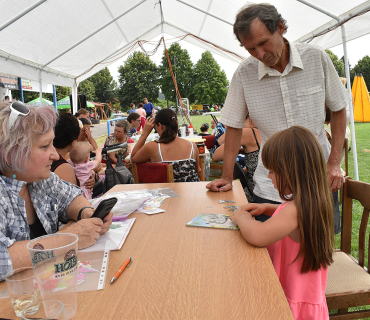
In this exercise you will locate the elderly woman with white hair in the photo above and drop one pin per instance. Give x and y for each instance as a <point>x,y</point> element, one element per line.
<point>32,199</point>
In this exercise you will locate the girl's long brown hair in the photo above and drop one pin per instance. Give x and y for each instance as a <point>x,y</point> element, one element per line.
<point>296,158</point>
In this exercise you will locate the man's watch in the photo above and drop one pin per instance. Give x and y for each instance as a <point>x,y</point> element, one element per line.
<point>79,213</point>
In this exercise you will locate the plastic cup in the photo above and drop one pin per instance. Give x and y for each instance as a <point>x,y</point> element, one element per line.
<point>22,289</point>
<point>47,309</point>
<point>54,260</point>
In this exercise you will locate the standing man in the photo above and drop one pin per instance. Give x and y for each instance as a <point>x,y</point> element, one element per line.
<point>148,107</point>
<point>281,85</point>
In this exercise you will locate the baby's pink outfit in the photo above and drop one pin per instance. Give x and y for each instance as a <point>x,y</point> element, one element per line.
<point>305,292</point>
<point>83,173</point>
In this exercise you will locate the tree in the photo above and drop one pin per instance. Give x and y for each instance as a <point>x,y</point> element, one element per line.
<point>338,63</point>
<point>211,82</point>
<point>137,80</point>
<point>182,67</point>
<point>363,68</point>
<point>62,92</point>
<point>87,88</point>
<point>105,86</point>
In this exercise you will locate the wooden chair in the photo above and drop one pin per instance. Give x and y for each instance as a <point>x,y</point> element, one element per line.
<point>148,172</point>
<point>209,143</point>
<point>349,280</point>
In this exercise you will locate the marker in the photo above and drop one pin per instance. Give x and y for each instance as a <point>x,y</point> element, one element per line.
<point>120,270</point>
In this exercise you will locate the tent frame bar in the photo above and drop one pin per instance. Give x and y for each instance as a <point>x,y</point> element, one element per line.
<point>30,8</point>
<point>344,42</point>
<point>205,12</point>
<point>326,28</point>
<point>93,33</point>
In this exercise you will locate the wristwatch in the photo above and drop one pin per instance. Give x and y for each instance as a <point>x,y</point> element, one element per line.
<point>79,213</point>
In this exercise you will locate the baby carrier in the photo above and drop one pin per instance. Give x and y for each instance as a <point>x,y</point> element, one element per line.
<point>120,174</point>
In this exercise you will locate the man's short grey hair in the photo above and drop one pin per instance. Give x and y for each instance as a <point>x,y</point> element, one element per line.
<point>265,12</point>
<point>16,144</point>
<point>123,124</point>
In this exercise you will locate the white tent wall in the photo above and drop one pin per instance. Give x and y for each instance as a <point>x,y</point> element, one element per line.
<point>54,26</point>
<point>70,40</point>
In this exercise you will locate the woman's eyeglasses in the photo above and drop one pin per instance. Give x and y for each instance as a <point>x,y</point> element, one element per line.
<point>17,109</point>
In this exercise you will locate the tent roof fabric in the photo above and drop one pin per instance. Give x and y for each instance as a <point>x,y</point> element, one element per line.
<point>58,36</point>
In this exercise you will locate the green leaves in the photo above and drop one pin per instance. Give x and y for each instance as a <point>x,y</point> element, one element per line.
<point>338,64</point>
<point>203,83</point>
<point>100,87</point>
<point>182,67</point>
<point>362,68</point>
<point>211,85</point>
<point>138,79</point>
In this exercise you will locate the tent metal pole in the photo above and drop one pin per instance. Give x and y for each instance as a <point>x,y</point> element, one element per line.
<point>55,98</point>
<point>30,8</point>
<point>205,12</point>
<point>355,165</point>
<point>74,101</point>
<point>21,88</point>
<point>346,65</point>
<point>93,33</point>
<point>40,78</point>
<point>328,26</point>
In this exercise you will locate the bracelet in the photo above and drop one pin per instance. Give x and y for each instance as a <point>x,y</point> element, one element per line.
<point>79,213</point>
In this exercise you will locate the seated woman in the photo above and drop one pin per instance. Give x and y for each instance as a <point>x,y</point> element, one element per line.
<point>66,132</point>
<point>219,133</point>
<point>85,133</point>
<point>134,120</point>
<point>32,198</point>
<point>250,142</point>
<point>204,130</point>
<point>82,113</point>
<point>119,136</point>
<point>181,153</point>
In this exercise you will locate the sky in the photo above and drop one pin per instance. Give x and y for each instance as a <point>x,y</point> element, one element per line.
<point>356,50</point>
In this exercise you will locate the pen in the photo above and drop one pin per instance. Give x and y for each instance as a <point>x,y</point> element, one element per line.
<point>120,270</point>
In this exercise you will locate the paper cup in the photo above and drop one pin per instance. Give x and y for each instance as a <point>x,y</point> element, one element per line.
<point>54,260</point>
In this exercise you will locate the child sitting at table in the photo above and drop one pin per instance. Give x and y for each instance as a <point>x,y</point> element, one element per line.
<point>79,158</point>
<point>181,153</point>
<point>299,235</point>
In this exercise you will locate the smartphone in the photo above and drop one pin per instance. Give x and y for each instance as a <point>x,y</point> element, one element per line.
<point>104,208</point>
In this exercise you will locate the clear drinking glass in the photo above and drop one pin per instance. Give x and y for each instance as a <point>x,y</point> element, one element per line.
<point>54,259</point>
<point>22,289</point>
<point>47,310</point>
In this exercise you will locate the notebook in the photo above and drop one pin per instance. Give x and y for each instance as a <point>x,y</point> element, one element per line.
<point>213,220</point>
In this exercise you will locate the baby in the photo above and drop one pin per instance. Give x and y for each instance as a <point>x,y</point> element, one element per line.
<point>79,160</point>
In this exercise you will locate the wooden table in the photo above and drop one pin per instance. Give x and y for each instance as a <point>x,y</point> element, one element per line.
<point>181,272</point>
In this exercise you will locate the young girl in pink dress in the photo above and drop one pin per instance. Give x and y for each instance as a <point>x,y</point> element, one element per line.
<point>80,161</point>
<point>299,234</point>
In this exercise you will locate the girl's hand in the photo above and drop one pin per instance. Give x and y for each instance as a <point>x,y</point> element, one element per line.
<point>149,126</point>
<point>240,214</point>
<point>254,209</point>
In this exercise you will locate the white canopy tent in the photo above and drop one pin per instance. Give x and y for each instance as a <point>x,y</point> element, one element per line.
<point>65,42</point>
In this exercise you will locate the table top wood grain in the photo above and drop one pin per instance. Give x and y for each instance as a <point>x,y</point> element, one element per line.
<point>181,272</point>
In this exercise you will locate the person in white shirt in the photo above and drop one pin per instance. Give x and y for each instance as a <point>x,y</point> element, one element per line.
<point>281,85</point>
